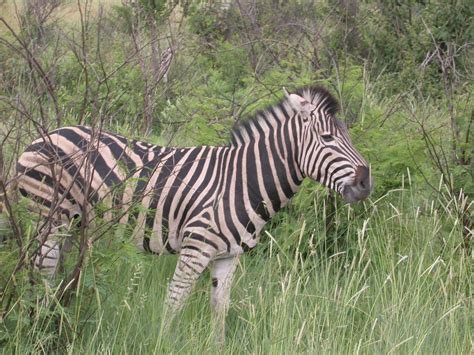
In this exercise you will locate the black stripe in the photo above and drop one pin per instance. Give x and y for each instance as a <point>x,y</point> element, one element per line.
<point>254,193</point>
<point>44,202</point>
<point>268,182</point>
<point>65,160</point>
<point>46,180</point>
<point>222,170</point>
<point>245,247</point>
<point>239,207</point>
<point>216,155</point>
<point>327,175</point>
<point>192,247</point>
<point>163,177</point>
<point>191,182</point>
<point>226,206</point>
<point>200,238</point>
<point>179,179</point>
<point>280,172</point>
<point>106,173</point>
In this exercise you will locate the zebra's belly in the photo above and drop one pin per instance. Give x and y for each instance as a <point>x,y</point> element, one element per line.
<point>171,236</point>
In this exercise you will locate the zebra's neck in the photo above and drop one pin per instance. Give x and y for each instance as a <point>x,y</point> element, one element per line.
<point>269,151</point>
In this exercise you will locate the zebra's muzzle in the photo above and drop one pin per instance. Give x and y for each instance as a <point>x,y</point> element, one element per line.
<point>361,188</point>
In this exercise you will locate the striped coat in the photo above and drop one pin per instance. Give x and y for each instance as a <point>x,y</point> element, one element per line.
<point>206,203</point>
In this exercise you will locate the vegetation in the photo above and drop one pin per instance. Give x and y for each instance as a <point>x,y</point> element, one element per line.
<point>392,274</point>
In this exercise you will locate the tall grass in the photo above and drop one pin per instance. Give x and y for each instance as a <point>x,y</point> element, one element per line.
<point>397,282</point>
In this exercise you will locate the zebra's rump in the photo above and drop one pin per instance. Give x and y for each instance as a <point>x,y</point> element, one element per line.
<point>72,170</point>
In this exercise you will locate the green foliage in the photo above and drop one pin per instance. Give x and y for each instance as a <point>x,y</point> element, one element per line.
<point>388,275</point>
<point>400,36</point>
<point>206,21</point>
<point>128,14</point>
<point>379,289</point>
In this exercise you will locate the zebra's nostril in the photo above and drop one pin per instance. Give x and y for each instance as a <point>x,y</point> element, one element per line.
<point>362,177</point>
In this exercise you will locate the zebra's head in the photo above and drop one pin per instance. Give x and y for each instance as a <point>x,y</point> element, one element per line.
<point>326,153</point>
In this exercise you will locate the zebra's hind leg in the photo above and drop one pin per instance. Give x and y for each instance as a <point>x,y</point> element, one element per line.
<point>47,258</point>
<point>54,242</point>
<point>222,272</point>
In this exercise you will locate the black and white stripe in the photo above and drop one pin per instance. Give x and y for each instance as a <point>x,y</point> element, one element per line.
<point>206,203</point>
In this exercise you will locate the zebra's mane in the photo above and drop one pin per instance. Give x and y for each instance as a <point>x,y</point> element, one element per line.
<point>318,96</point>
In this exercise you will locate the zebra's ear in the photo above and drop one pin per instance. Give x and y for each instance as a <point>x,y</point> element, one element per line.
<point>299,104</point>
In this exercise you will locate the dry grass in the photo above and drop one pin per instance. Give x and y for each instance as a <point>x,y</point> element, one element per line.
<point>66,14</point>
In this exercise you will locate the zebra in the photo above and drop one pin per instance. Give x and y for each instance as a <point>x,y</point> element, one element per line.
<point>208,204</point>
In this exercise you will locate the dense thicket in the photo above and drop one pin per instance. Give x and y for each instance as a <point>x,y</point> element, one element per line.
<point>184,72</point>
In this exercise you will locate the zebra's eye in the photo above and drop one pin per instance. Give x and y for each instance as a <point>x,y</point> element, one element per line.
<point>327,138</point>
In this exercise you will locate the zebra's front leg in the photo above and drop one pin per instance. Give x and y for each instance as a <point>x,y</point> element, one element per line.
<point>192,262</point>
<point>222,272</point>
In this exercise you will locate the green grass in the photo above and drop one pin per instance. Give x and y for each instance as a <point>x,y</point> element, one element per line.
<point>400,284</point>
